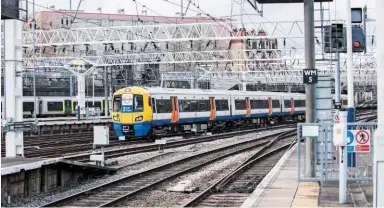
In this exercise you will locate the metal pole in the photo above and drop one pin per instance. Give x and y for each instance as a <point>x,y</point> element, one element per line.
<point>309,38</point>
<point>349,54</point>
<point>34,60</point>
<point>337,82</point>
<point>343,165</point>
<point>378,181</point>
<point>106,107</point>
<point>351,98</point>
<point>4,116</point>
<point>181,8</point>
<point>93,90</point>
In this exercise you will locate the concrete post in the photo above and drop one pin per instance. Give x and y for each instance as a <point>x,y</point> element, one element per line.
<point>81,93</point>
<point>106,107</point>
<point>378,174</point>
<point>14,86</point>
<point>309,38</point>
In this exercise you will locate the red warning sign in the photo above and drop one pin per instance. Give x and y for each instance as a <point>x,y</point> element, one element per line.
<point>362,137</point>
<point>362,148</point>
<point>337,118</point>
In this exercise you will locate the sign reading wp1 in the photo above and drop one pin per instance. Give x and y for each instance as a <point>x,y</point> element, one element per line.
<point>310,76</point>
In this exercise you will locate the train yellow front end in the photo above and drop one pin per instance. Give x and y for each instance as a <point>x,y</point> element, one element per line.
<point>132,112</point>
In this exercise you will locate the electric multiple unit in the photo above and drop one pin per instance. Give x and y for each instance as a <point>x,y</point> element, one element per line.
<point>51,106</point>
<point>148,112</point>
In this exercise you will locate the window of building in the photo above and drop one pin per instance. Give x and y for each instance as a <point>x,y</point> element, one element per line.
<point>55,106</point>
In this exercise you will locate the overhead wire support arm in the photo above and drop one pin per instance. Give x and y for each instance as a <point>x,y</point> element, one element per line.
<point>186,9</point>
<point>77,10</point>
<point>253,3</point>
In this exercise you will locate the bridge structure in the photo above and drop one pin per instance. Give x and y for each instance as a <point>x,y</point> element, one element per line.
<point>220,53</point>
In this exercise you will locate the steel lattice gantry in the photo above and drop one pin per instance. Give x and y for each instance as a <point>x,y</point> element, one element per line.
<point>206,46</point>
<point>149,33</point>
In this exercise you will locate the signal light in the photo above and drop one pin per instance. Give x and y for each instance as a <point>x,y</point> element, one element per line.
<point>356,44</point>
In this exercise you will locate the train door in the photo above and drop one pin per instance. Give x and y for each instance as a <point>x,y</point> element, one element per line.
<point>247,107</point>
<point>67,107</point>
<point>40,107</point>
<point>269,105</point>
<point>212,107</point>
<point>175,109</point>
<point>292,106</point>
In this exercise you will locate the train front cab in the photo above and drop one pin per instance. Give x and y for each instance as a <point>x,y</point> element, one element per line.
<point>132,112</point>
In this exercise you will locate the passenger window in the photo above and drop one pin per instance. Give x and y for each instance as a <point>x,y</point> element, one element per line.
<point>224,105</point>
<point>163,106</point>
<point>240,104</point>
<point>28,106</point>
<point>203,105</point>
<point>149,101</point>
<point>55,106</point>
<point>275,104</point>
<point>138,103</point>
<point>117,103</point>
<point>153,105</point>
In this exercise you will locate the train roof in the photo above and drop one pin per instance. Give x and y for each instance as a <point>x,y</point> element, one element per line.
<point>159,90</point>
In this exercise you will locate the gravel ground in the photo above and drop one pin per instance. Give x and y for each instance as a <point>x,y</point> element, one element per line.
<point>201,179</point>
<point>176,154</point>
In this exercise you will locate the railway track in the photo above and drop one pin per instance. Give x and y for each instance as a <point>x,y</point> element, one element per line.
<point>233,189</point>
<point>60,145</point>
<point>113,193</point>
<point>127,150</point>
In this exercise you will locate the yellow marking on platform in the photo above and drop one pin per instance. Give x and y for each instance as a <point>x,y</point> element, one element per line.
<point>307,195</point>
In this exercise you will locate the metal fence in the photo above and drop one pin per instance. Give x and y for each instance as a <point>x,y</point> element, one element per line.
<point>360,165</point>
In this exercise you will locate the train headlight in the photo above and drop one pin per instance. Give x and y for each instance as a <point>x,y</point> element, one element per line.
<point>116,118</point>
<point>140,118</point>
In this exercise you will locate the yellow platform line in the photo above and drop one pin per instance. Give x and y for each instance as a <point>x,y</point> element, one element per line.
<point>307,195</point>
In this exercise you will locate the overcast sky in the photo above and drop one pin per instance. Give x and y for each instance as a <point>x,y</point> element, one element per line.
<point>217,8</point>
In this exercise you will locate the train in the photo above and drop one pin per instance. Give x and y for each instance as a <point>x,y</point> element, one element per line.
<point>158,112</point>
<point>64,106</point>
<point>56,106</point>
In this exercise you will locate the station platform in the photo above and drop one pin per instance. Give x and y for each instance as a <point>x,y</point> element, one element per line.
<point>22,177</point>
<point>61,119</point>
<point>280,188</point>
<point>72,122</point>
